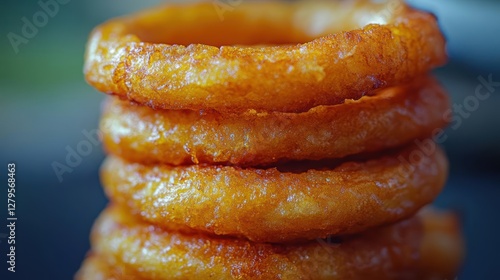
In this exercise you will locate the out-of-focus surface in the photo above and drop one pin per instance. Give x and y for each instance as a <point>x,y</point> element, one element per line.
<point>46,111</point>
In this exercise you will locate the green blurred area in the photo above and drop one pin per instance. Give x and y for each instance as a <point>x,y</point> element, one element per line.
<point>43,67</point>
<point>55,54</point>
<point>52,56</point>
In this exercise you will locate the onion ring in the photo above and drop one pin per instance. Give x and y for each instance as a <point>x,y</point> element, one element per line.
<point>198,64</point>
<point>393,117</point>
<point>401,252</point>
<point>279,205</point>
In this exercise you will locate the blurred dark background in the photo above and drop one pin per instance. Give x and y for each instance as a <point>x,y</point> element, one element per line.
<point>46,106</point>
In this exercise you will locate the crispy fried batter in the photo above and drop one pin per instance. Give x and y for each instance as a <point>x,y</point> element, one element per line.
<point>399,251</point>
<point>279,205</point>
<point>185,57</point>
<point>393,117</point>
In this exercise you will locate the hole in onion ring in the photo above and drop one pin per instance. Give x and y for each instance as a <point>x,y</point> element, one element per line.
<point>294,24</point>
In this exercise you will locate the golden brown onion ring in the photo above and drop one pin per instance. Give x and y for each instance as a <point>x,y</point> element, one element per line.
<point>393,117</point>
<point>279,205</point>
<point>185,57</point>
<point>393,252</point>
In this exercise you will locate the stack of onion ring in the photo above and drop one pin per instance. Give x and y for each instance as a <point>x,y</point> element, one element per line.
<point>274,144</point>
